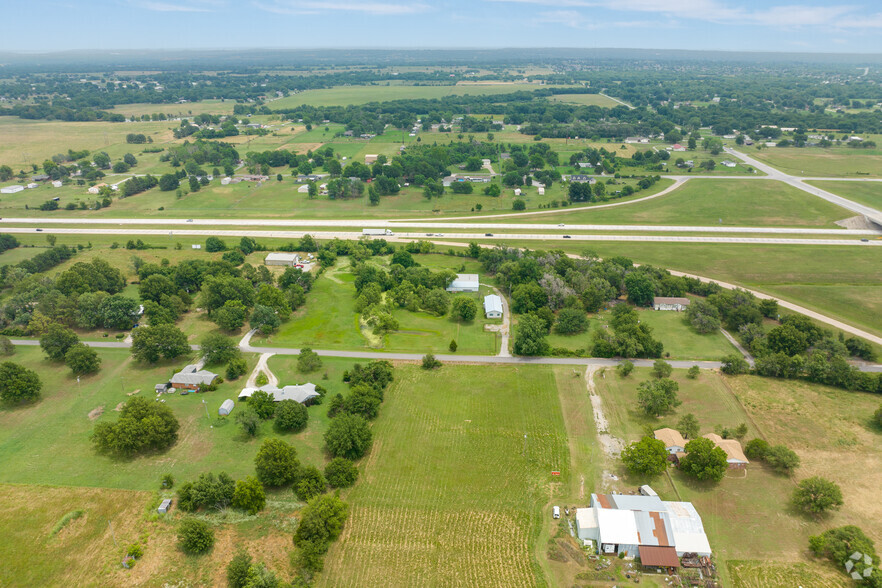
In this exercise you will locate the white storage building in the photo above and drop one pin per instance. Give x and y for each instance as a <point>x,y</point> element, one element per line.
<point>226,408</point>
<point>492,306</point>
<point>279,258</point>
<point>464,283</point>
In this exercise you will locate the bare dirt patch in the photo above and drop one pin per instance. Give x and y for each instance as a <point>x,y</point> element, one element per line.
<point>133,393</point>
<point>119,406</point>
<point>96,412</point>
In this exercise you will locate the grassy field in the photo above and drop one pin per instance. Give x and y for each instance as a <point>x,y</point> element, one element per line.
<point>323,326</point>
<point>62,452</point>
<point>586,100</point>
<point>869,193</point>
<point>345,95</point>
<point>451,493</point>
<point>33,141</point>
<point>753,531</point>
<point>718,203</point>
<point>813,161</point>
<point>177,110</point>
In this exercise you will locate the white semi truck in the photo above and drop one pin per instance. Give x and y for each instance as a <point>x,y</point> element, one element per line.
<point>377,232</point>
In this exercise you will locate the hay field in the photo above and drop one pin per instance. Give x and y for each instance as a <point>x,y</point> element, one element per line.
<point>448,495</point>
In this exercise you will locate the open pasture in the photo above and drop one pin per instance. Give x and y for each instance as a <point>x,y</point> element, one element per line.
<point>452,493</point>
<point>835,162</point>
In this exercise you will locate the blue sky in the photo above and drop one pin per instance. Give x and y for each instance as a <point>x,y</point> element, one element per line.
<point>748,25</point>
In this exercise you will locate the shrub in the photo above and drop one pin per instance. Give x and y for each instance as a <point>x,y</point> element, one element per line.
<point>341,473</point>
<point>18,383</point>
<point>348,436</point>
<point>213,245</point>
<point>430,363</point>
<point>693,372</point>
<point>195,536</point>
<point>817,495</point>
<point>625,368</point>
<point>236,368</point>
<point>321,521</point>
<point>6,346</point>
<point>237,570</point>
<point>276,463</point>
<point>310,484</point>
<point>168,482</point>
<point>756,449</point>
<point>308,361</point>
<point>661,369</point>
<point>142,426</point>
<point>453,346</point>
<point>734,365</point>
<point>248,420</point>
<point>782,459</point>
<point>291,416</point>
<point>571,321</point>
<point>249,495</point>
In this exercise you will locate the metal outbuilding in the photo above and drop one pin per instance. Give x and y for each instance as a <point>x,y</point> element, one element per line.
<point>226,408</point>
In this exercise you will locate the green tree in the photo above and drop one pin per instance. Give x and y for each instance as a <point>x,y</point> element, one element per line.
<point>56,341</point>
<point>291,416</point>
<point>150,344</point>
<point>321,521</point>
<point>782,459</point>
<point>840,543</point>
<point>530,336</point>
<point>704,460</point>
<point>308,361</point>
<point>169,182</point>
<point>6,346</point>
<point>787,339</point>
<point>236,368</point>
<point>265,319</point>
<point>195,536</point>
<point>82,359</point>
<point>661,369</point>
<point>155,286</point>
<point>348,436</point>
<point>625,368</point>
<point>218,349</point>
<point>734,365</point>
<point>518,204</point>
<point>217,290</point>
<point>571,321</point>
<point>276,463</point>
<point>119,312</point>
<point>817,495</point>
<point>640,287</point>
<point>756,449</point>
<point>877,417</point>
<point>341,473</point>
<point>688,426</point>
<point>704,316</point>
<point>231,316</point>
<point>249,495</point>
<point>248,420</point>
<point>260,576</point>
<point>142,426</point>
<point>237,569</point>
<point>647,457</point>
<point>263,404</point>
<point>18,383</point>
<point>656,397</point>
<point>464,308</point>
<point>693,372</point>
<point>429,362</point>
<point>310,483</point>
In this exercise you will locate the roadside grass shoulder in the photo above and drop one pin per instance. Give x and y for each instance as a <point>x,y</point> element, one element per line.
<point>869,193</point>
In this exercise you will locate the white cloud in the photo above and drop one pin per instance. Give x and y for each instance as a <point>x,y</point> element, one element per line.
<point>315,7</point>
<point>786,16</point>
<point>192,6</point>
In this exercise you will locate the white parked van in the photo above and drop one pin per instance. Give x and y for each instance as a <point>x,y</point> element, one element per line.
<point>555,512</point>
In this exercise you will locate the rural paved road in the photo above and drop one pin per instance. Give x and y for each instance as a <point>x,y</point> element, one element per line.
<point>468,359</point>
<point>295,234</point>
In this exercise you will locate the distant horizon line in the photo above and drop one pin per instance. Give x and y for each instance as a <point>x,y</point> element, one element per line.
<point>38,52</point>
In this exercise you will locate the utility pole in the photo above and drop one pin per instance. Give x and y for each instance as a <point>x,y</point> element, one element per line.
<point>205,405</point>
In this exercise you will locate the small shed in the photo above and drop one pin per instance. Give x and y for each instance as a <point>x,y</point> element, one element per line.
<point>226,408</point>
<point>162,388</point>
<point>492,306</point>
<point>163,508</point>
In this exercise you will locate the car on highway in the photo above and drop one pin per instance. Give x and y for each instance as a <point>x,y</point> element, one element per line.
<point>567,237</point>
<point>189,220</point>
<point>865,240</point>
<point>429,234</point>
<point>39,230</point>
<point>488,234</point>
<point>561,225</point>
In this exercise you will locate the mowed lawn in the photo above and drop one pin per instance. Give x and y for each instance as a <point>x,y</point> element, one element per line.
<point>869,193</point>
<point>837,162</point>
<point>451,493</point>
<point>706,202</point>
<point>48,442</point>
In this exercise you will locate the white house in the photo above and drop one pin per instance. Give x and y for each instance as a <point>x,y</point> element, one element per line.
<point>517,192</point>
<point>56,184</point>
<point>728,163</point>
<point>542,190</point>
<point>96,188</point>
<point>226,181</point>
<point>669,303</point>
<point>301,393</point>
<point>11,189</point>
<point>492,306</point>
<point>464,283</point>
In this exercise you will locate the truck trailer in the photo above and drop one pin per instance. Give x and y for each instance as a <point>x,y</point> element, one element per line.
<point>377,232</point>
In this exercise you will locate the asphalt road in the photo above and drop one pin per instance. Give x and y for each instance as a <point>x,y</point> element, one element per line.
<point>396,226</point>
<point>295,234</point>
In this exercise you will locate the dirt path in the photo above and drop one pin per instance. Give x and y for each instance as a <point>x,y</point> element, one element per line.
<point>612,446</point>
<point>262,367</point>
<point>504,329</point>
